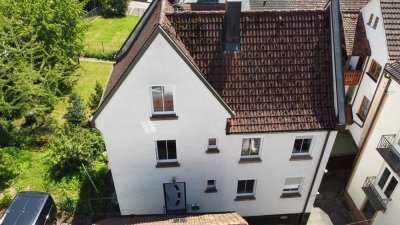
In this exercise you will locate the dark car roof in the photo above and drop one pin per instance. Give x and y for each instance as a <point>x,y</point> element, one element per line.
<point>25,208</point>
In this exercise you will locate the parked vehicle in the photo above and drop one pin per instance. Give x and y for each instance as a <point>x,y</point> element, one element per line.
<point>31,208</point>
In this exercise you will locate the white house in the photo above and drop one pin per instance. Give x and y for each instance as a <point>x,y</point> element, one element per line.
<point>375,172</point>
<point>211,109</point>
<point>373,191</point>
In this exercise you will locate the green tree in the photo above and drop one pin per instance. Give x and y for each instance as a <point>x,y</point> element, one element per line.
<point>113,7</point>
<point>40,42</point>
<point>8,169</point>
<point>72,146</point>
<point>75,110</point>
<point>96,96</point>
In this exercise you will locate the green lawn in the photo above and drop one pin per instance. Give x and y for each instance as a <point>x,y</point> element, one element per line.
<point>105,36</point>
<point>90,72</point>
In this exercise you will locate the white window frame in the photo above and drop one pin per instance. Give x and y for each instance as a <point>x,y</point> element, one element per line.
<point>212,146</point>
<point>176,151</point>
<point>392,175</point>
<point>211,186</point>
<point>251,156</point>
<point>246,194</point>
<point>300,186</point>
<point>310,148</point>
<point>151,100</point>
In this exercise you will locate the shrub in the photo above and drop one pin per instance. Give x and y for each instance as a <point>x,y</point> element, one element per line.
<point>8,168</point>
<point>96,96</point>
<point>114,7</point>
<point>73,146</point>
<point>6,138</point>
<point>76,110</point>
<point>5,200</point>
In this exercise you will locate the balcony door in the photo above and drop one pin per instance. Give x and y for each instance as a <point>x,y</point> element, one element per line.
<point>387,182</point>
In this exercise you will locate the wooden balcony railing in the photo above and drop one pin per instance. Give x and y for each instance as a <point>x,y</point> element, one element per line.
<point>352,77</point>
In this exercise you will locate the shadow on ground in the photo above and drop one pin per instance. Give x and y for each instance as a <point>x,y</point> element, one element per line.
<point>330,199</point>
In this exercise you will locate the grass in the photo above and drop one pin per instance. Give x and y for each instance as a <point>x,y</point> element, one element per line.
<point>105,36</point>
<point>90,73</point>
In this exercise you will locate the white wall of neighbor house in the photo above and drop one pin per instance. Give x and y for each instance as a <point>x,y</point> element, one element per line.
<point>368,86</point>
<point>370,161</point>
<point>130,138</point>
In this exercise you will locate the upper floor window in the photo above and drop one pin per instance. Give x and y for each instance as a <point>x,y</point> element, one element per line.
<point>371,17</point>
<point>364,107</point>
<point>245,187</point>
<point>212,143</point>
<point>166,151</point>
<point>292,186</point>
<point>387,183</point>
<point>163,99</point>
<point>374,70</point>
<point>376,23</point>
<point>302,146</point>
<point>250,147</point>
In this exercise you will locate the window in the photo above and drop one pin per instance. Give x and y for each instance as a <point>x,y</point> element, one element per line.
<point>363,110</point>
<point>374,70</point>
<point>301,146</point>
<point>292,185</point>
<point>387,183</point>
<point>371,17</point>
<point>211,186</point>
<point>376,23</point>
<point>163,102</point>
<point>166,151</point>
<point>245,187</point>
<point>250,147</point>
<point>212,143</point>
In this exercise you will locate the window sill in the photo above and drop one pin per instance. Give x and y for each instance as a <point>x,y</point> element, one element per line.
<point>245,198</point>
<point>210,190</point>
<point>212,150</point>
<point>171,116</point>
<point>167,164</point>
<point>250,160</point>
<point>300,157</point>
<point>290,195</point>
<point>360,117</point>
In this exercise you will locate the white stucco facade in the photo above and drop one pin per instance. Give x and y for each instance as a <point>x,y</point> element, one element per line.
<point>371,162</point>
<point>131,136</point>
<point>367,86</point>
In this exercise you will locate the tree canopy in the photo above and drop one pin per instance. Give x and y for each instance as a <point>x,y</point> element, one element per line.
<point>40,44</point>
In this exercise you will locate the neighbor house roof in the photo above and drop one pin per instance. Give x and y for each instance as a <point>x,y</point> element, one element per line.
<point>391,21</point>
<point>187,219</point>
<point>356,41</point>
<point>282,78</point>
<point>394,70</point>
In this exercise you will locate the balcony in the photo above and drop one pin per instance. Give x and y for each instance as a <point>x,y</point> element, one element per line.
<point>373,195</point>
<point>352,77</point>
<point>389,153</point>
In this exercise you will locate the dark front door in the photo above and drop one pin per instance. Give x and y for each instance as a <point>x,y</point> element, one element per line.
<point>175,197</point>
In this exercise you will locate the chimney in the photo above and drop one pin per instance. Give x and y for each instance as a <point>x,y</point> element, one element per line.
<point>232,25</point>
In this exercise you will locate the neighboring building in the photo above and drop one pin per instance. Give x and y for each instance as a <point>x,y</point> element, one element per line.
<point>378,98</point>
<point>211,110</point>
<point>373,192</point>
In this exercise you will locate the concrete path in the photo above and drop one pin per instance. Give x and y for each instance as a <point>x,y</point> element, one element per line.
<point>94,60</point>
<point>319,217</point>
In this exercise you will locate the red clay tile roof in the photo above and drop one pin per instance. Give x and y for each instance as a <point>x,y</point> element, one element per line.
<point>356,40</point>
<point>281,80</point>
<point>391,20</point>
<point>187,219</point>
